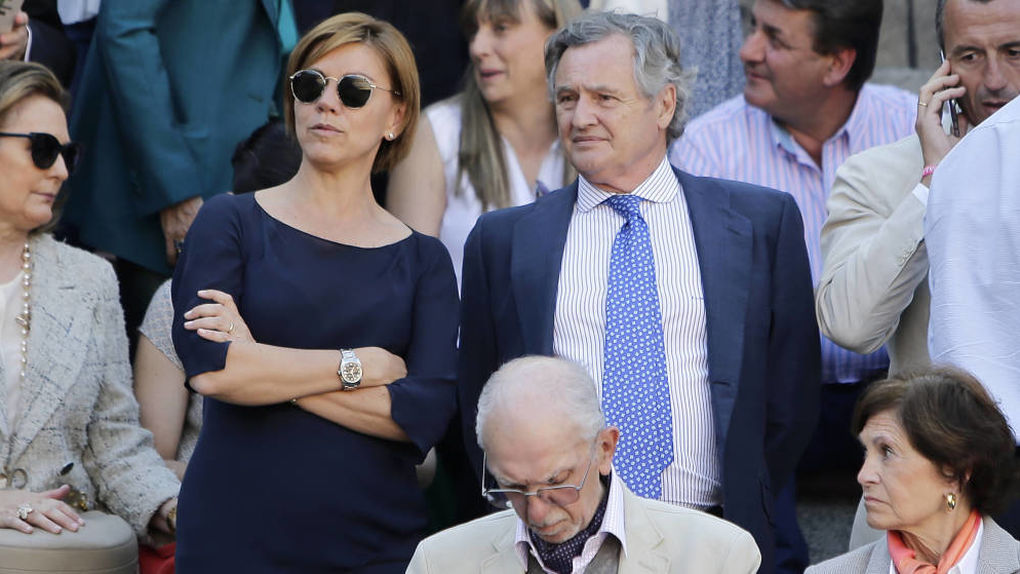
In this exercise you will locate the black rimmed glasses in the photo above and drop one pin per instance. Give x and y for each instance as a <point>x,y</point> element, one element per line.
<point>354,90</point>
<point>560,495</point>
<point>46,148</point>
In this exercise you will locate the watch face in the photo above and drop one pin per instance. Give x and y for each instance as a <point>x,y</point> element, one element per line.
<point>351,372</point>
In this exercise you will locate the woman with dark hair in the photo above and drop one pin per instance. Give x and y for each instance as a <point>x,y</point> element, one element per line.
<point>321,331</point>
<point>939,460</point>
<point>493,145</point>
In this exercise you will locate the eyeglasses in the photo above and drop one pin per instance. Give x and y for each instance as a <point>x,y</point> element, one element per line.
<point>46,148</point>
<point>354,90</point>
<point>560,495</point>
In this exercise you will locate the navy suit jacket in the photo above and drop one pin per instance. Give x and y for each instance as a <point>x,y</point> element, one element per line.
<point>763,347</point>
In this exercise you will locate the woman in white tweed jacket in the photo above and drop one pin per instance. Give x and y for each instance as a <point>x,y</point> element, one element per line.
<point>68,420</point>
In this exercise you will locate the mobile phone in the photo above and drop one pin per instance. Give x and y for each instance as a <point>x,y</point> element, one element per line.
<point>954,108</point>
<point>8,10</point>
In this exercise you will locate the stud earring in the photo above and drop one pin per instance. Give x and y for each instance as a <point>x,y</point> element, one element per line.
<point>951,501</point>
<point>390,136</point>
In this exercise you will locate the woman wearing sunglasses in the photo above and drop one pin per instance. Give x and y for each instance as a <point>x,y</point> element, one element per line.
<point>325,344</point>
<point>493,145</point>
<point>69,434</point>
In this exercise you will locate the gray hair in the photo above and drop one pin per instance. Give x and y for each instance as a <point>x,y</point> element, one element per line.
<point>656,55</point>
<point>549,380</point>
<point>940,20</point>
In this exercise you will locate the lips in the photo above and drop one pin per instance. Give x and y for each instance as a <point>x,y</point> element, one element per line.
<point>753,73</point>
<point>488,73</point>
<point>325,128</point>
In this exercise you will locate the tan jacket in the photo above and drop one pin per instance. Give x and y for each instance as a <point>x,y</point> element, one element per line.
<point>660,538</point>
<point>999,554</point>
<point>77,404</point>
<point>874,284</point>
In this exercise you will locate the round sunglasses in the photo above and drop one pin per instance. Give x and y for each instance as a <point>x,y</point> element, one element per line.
<point>354,90</point>
<point>46,148</point>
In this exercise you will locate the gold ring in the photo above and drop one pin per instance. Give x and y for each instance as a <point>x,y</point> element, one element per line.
<point>231,329</point>
<point>24,510</point>
<point>920,103</point>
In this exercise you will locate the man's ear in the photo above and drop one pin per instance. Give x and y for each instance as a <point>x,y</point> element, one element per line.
<point>608,438</point>
<point>665,102</point>
<point>840,63</point>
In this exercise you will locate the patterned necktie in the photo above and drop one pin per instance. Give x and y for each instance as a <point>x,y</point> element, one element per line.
<point>635,389</point>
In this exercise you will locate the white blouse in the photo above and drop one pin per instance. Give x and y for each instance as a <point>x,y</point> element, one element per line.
<point>463,208</point>
<point>10,347</point>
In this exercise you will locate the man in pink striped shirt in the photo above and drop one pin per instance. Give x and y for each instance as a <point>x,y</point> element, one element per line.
<point>806,108</point>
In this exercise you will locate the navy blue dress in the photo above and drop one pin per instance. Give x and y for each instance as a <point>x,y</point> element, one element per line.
<point>275,488</point>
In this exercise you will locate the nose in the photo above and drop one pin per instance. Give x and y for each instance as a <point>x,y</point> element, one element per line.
<point>481,42</point>
<point>753,49</point>
<point>867,474</point>
<point>995,77</point>
<point>584,113</point>
<point>59,169</point>
<point>538,510</point>
<point>329,100</point>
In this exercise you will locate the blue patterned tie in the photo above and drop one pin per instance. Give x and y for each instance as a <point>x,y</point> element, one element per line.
<point>635,389</point>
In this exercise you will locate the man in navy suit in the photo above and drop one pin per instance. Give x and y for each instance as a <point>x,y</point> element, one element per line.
<point>689,299</point>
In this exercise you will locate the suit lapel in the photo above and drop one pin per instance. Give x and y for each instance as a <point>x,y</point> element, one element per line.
<point>999,551</point>
<point>504,559</point>
<point>645,552</point>
<point>58,316</point>
<point>272,8</point>
<point>724,244</point>
<point>879,561</point>
<point>536,256</point>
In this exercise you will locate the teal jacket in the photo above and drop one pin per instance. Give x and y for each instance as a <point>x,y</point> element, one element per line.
<point>168,91</point>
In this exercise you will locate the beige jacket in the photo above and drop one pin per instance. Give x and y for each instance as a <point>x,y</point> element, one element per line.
<point>661,538</point>
<point>77,404</point>
<point>874,284</point>
<point>999,554</point>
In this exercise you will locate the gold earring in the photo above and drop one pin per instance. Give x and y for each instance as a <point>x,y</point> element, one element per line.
<point>951,501</point>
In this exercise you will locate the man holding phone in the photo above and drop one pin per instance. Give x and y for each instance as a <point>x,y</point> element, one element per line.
<point>873,289</point>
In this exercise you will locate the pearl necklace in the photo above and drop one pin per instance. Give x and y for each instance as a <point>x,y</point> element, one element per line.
<point>24,319</point>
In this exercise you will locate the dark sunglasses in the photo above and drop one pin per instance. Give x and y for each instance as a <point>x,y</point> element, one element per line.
<point>46,148</point>
<point>354,90</point>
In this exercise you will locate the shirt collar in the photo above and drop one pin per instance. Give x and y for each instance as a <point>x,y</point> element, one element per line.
<point>661,186</point>
<point>968,564</point>
<point>852,129</point>
<point>613,522</point>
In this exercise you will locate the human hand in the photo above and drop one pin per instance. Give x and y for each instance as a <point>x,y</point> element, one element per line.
<point>219,321</point>
<point>23,509</point>
<point>379,366</point>
<point>165,519</point>
<point>13,44</point>
<point>940,88</point>
<point>175,221</point>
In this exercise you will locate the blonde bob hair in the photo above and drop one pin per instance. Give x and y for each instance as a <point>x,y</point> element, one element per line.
<point>19,80</point>
<point>396,54</point>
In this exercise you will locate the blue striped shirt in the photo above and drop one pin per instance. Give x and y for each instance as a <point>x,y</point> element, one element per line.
<point>741,142</point>
<point>579,326</point>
